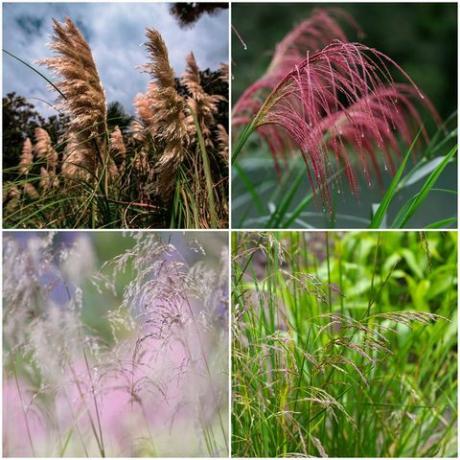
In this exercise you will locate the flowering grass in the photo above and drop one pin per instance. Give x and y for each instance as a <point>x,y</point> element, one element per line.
<point>344,344</point>
<point>122,358</point>
<point>168,169</point>
<point>348,110</point>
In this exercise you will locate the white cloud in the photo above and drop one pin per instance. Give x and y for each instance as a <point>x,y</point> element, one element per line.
<point>114,32</point>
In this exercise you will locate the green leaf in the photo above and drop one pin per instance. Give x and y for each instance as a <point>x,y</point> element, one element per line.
<point>379,215</point>
<point>443,223</point>
<point>409,209</point>
<point>420,172</point>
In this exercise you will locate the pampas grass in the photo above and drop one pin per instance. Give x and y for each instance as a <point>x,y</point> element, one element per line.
<point>149,175</point>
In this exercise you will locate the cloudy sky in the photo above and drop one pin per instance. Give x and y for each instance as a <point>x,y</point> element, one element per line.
<point>115,32</point>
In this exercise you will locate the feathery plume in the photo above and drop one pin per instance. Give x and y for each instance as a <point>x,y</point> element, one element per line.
<point>117,143</point>
<point>322,95</point>
<point>224,72</point>
<point>203,105</point>
<point>161,110</point>
<point>44,149</point>
<point>26,158</point>
<point>48,179</point>
<point>31,191</point>
<point>339,97</point>
<point>82,95</point>
<point>311,34</point>
<point>137,131</point>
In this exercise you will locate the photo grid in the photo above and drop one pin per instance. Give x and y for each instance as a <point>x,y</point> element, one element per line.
<point>229,229</point>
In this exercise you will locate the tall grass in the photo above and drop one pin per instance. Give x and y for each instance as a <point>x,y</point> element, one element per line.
<point>129,178</point>
<point>344,345</point>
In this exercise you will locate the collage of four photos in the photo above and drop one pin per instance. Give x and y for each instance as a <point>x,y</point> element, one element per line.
<point>230,229</point>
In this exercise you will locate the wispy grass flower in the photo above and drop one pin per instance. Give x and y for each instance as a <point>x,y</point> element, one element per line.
<point>328,98</point>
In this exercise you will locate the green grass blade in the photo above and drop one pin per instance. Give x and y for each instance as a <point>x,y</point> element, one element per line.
<point>379,215</point>
<point>409,209</point>
<point>208,175</point>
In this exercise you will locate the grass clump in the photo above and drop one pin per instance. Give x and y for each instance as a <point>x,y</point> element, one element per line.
<point>344,345</point>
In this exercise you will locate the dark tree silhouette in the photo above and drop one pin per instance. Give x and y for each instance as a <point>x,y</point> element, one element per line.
<point>188,13</point>
<point>117,116</point>
<point>19,122</point>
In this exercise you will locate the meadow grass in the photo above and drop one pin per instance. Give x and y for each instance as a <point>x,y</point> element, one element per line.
<point>344,345</point>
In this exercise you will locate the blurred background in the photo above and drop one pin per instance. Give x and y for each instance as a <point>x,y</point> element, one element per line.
<point>420,37</point>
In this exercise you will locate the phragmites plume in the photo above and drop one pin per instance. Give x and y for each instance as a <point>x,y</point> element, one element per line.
<point>27,157</point>
<point>326,96</point>
<point>82,96</point>
<point>44,149</point>
<point>137,131</point>
<point>78,162</point>
<point>161,110</point>
<point>203,106</point>
<point>48,179</point>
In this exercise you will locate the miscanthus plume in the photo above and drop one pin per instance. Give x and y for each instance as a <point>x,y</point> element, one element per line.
<point>335,101</point>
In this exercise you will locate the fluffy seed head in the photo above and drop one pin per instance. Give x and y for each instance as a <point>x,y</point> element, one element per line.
<point>203,105</point>
<point>161,110</point>
<point>27,157</point>
<point>44,149</point>
<point>117,143</point>
<point>82,93</point>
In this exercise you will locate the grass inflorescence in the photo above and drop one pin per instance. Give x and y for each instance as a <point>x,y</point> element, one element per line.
<point>344,345</point>
<point>126,358</point>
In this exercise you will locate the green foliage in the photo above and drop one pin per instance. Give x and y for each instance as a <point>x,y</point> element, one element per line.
<point>344,344</point>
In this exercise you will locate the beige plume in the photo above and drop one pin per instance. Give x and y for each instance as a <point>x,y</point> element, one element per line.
<point>26,158</point>
<point>31,191</point>
<point>83,97</point>
<point>202,104</point>
<point>161,110</point>
<point>224,72</point>
<point>44,149</point>
<point>48,179</point>
<point>117,144</point>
